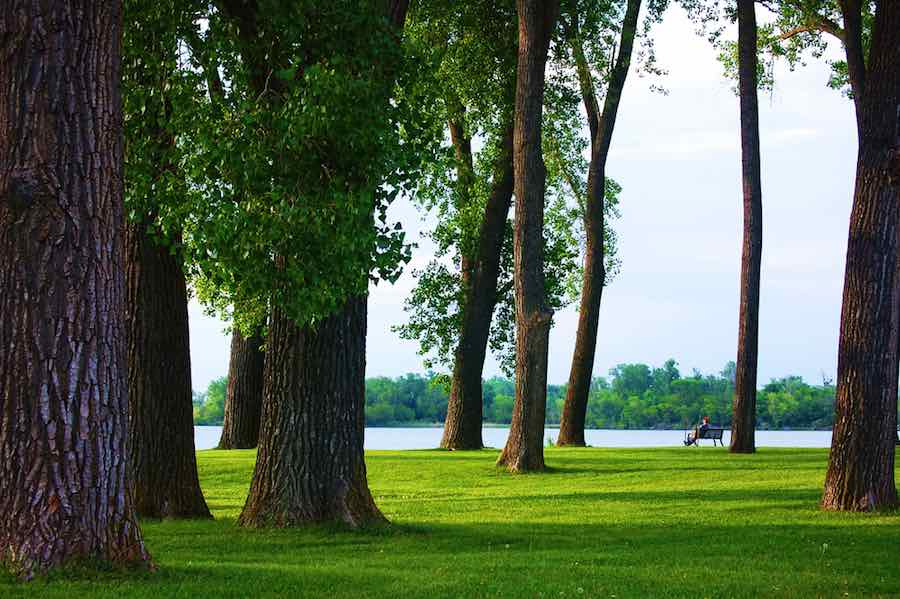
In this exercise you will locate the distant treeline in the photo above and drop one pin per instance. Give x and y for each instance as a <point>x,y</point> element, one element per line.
<point>633,396</point>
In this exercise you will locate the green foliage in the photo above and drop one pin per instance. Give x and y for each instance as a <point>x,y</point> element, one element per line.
<point>792,31</point>
<point>274,145</point>
<point>157,95</point>
<point>642,397</point>
<point>408,399</point>
<point>475,57</point>
<point>635,396</point>
<point>209,406</point>
<point>302,154</point>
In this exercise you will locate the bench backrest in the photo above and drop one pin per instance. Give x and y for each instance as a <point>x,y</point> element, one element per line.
<point>711,433</point>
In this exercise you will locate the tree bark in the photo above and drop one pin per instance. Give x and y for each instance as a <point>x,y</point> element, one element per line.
<point>310,466</point>
<point>243,399</point>
<point>861,465</point>
<point>571,424</point>
<point>743,419</point>
<point>524,450</point>
<point>462,427</point>
<point>162,458</point>
<point>64,488</point>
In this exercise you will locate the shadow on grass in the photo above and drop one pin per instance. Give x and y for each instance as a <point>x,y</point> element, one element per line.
<point>512,559</point>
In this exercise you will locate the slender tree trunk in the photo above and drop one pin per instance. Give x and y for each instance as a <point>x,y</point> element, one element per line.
<point>524,450</point>
<point>310,467</point>
<point>861,465</point>
<point>162,458</point>
<point>243,399</point>
<point>462,428</point>
<point>64,490</point>
<point>743,419</point>
<point>571,424</point>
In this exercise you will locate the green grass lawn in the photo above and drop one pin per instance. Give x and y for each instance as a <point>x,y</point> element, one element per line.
<point>680,522</point>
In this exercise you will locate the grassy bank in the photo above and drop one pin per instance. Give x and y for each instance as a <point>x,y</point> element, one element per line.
<point>602,523</point>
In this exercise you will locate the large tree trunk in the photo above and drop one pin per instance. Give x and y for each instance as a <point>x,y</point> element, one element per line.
<point>524,450</point>
<point>861,465</point>
<point>243,399</point>
<point>743,419</point>
<point>160,422</point>
<point>462,427</point>
<point>64,491</point>
<point>310,467</point>
<point>571,424</point>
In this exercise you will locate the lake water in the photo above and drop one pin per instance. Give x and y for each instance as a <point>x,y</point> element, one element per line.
<point>207,437</point>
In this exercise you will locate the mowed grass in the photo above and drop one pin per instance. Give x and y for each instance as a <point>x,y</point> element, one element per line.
<point>678,522</point>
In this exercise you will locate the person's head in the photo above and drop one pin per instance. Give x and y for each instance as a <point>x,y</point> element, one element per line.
<point>706,420</point>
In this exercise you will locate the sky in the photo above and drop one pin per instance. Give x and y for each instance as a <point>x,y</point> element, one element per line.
<point>677,158</point>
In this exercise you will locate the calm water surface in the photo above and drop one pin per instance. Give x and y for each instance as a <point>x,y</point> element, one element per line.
<point>207,437</point>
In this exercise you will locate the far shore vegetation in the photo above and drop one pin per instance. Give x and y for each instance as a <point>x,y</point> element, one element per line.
<point>633,396</point>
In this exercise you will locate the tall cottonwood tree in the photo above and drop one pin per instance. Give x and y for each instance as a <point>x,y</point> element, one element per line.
<point>64,488</point>
<point>473,208</point>
<point>743,419</point>
<point>524,448</point>
<point>161,434</point>
<point>861,464</point>
<point>462,305</point>
<point>325,72</point>
<point>243,396</point>
<point>600,125</point>
<point>462,427</point>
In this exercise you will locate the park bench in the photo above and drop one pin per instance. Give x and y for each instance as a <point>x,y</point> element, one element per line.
<point>715,434</point>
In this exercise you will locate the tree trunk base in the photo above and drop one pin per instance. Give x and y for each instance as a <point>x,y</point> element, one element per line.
<point>521,463</point>
<point>310,468</point>
<point>570,443</point>
<point>27,555</point>
<point>850,502</point>
<point>351,504</point>
<point>461,446</point>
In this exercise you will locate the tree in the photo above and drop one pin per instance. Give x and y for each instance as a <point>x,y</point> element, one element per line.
<point>63,398</point>
<point>162,459</point>
<point>861,464</point>
<point>524,447</point>
<point>464,300</point>
<point>601,125</point>
<point>243,400</point>
<point>473,215</point>
<point>743,421</point>
<point>320,103</point>
<point>861,471</point>
<point>462,427</point>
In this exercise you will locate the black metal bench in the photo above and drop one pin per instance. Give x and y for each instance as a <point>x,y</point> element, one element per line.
<point>715,434</point>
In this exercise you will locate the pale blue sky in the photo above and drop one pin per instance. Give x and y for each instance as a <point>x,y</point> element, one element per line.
<point>677,158</point>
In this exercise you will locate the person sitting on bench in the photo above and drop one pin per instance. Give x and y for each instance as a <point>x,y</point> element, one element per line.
<point>698,431</point>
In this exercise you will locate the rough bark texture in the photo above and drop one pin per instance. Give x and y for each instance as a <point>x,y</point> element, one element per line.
<point>243,398</point>
<point>63,399</point>
<point>743,419</point>
<point>160,419</point>
<point>571,424</point>
<point>462,427</point>
<point>310,466</point>
<point>524,450</point>
<point>861,465</point>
